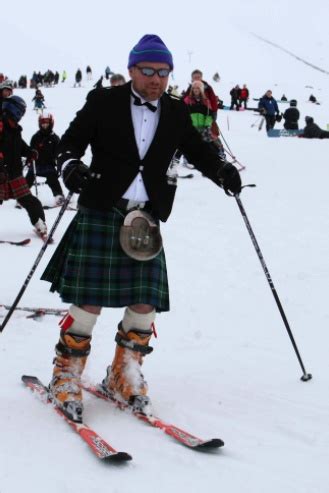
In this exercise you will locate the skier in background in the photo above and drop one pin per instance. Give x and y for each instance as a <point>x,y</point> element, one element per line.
<point>45,141</point>
<point>12,147</point>
<point>89,73</point>
<point>108,72</point>
<point>235,97</point>
<point>244,96</point>
<point>268,107</point>
<point>39,101</point>
<point>313,131</point>
<point>64,76</point>
<point>78,78</point>
<point>291,116</point>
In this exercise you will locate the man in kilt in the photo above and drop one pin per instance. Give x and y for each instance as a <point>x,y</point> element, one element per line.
<point>134,131</point>
<point>13,185</point>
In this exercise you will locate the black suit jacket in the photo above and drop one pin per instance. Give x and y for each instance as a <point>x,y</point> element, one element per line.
<point>105,123</point>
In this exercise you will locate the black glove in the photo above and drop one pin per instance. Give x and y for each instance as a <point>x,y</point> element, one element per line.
<point>33,156</point>
<point>75,175</point>
<point>278,117</point>
<point>229,179</point>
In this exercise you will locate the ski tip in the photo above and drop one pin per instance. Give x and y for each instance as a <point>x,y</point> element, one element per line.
<point>210,444</point>
<point>29,378</point>
<point>117,457</point>
<point>26,241</point>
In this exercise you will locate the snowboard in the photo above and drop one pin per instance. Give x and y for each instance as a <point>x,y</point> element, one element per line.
<point>282,132</point>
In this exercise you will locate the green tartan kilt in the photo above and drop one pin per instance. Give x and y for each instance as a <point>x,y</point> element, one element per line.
<point>89,266</point>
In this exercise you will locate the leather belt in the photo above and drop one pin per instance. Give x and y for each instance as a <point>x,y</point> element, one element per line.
<point>126,204</point>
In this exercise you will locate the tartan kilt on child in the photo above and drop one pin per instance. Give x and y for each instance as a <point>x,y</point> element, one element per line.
<point>14,189</point>
<point>89,266</point>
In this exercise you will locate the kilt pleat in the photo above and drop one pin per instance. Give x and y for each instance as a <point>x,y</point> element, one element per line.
<point>90,267</point>
<point>14,189</point>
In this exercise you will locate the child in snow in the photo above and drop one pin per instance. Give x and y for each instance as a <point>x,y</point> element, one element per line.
<point>45,141</point>
<point>39,101</point>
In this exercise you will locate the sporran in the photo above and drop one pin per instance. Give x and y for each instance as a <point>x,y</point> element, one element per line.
<point>140,236</point>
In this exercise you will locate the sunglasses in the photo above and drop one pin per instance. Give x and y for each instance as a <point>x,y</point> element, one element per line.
<point>150,72</point>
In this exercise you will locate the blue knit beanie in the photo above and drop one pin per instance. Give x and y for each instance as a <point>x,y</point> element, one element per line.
<point>150,48</point>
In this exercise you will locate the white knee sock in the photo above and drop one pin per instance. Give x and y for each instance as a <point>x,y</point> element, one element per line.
<point>139,321</point>
<point>78,321</point>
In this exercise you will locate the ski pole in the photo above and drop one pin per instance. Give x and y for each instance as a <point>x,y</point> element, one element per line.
<point>36,263</point>
<point>242,167</point>
<point>228,150</point>
<point>35,177</point>
<point>256,122</point>
<point>306,376</point>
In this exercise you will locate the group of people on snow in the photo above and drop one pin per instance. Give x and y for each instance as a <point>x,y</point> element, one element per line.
<point>239,97</point>
<point>268,107</point>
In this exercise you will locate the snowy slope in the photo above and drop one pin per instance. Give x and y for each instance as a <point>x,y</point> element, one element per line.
<point>223,364</point>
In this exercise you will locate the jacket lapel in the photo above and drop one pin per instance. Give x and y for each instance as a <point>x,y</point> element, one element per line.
<point>128,123</point>
<point>161,133</point>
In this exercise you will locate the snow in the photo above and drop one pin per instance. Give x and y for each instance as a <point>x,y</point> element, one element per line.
<point>223,365</point>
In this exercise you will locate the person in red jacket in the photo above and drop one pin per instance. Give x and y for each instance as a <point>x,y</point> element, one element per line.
<point>244,96</point>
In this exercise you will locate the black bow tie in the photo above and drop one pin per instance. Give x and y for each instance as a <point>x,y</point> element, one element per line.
<point>138,102</point>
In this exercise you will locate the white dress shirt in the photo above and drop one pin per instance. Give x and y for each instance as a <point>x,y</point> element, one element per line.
<point>145,123</point>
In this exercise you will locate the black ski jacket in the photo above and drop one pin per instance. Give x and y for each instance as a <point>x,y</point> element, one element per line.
<point>291,117</point>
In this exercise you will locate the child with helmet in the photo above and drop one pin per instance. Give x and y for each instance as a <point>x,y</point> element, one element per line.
<point>39,101</point>
<point>45,141</point>
<point>13,185</point>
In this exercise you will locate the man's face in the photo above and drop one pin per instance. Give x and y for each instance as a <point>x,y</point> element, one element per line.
<point>149,87</point>
<point>196,76</point>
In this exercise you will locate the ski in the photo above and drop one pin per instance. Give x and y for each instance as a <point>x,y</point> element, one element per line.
<point>178,434</point>
<point>44,237</point>
<point>60,312</point>
<point>17,243</point>
<point>100,447</point>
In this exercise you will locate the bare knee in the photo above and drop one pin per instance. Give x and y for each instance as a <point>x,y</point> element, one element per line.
<point>141,308</point>
<point>91,309</point>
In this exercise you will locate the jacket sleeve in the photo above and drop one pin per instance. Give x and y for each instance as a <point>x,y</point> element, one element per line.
<point>80,133</point>
<point>33,142</point>
<point>25,149</point>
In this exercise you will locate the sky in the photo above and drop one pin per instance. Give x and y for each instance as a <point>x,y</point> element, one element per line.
<point>71,35</point>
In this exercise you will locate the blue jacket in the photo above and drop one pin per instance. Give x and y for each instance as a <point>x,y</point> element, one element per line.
<point>269,105</point>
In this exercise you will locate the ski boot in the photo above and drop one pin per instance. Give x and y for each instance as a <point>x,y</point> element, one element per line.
<point>41,229</point>
<point>65,390</point>
<point>124,381</point>
<point>59,200</point>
